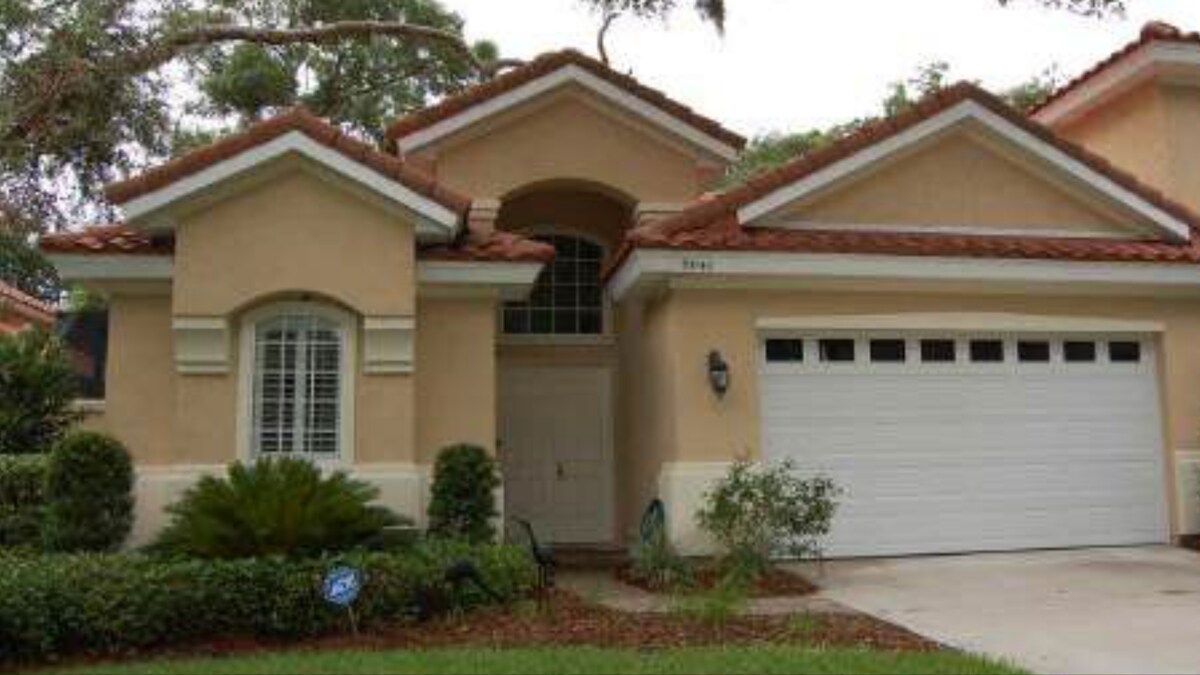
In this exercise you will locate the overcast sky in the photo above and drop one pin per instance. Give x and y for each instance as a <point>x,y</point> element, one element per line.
<point>795,64</point>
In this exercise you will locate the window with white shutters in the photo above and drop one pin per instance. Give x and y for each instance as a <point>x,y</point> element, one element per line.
<point>298,370</point>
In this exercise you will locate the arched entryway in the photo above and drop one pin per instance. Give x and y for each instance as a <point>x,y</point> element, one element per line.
<point>557,366</point>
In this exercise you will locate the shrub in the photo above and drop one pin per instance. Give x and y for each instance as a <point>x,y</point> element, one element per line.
<point>654,560</point>
<point>89,494</point>
<point>463,502</point>
<point>37,387</point>
<point>274,507</point>
<point>757,512</point>
<point>22,499</point>
<point>113,604</point>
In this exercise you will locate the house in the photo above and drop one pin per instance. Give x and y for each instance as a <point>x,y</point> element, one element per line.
<point>19,310</point>
<point>985,326</point>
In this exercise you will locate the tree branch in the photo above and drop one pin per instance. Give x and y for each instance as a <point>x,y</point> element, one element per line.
<point>176,44</point>
<point>609,19</point>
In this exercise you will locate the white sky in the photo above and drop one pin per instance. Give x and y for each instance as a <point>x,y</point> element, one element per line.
<point>795,64</point>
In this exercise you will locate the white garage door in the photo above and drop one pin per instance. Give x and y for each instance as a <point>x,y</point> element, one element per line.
<point>972,443</point>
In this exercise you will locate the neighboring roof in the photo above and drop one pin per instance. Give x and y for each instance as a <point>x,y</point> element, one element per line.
<point>544,66</point>
<point>107,240</point>
<point>714,223</point>
<point>26,305</point>
<point>124,240</point>
<point>495,246</point>
<point>1152,32</point>
<point>260,134</point>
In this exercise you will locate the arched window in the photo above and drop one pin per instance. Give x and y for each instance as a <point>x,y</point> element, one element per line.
<point>298,395</point>
<point>568,298</point>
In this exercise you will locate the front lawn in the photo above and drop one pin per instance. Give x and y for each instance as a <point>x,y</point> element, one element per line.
<point>756,660</point>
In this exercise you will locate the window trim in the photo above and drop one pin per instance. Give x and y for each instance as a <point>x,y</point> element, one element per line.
<point>348,328</point>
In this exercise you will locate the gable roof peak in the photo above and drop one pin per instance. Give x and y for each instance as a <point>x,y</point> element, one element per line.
<point>722,215</point>
<point>512,82</point>
<point>1153,33</point>
<point>1160,30</point>
<point>271,138</point>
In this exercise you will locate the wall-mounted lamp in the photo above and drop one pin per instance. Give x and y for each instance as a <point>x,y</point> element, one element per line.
<point>718,374</point>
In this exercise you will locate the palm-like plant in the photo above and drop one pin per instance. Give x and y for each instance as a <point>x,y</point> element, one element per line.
<point>274,507</point>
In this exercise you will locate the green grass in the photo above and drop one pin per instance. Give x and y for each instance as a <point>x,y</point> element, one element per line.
<point>577,661</point>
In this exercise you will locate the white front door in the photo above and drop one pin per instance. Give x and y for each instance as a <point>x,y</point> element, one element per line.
<point>556,450</point>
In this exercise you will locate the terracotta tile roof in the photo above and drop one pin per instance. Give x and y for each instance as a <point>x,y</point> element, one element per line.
<point>25,305</point>
<point>728,235</point>
<point>491,247</point>
<point>1154,31</point>
<point>712,223</point>
<point>121,239</point>
<point>542,66</point>
<point>107,239</point>
<point>296,119</point>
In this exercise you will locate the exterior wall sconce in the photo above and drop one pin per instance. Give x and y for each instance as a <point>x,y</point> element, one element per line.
<point>718,374</point>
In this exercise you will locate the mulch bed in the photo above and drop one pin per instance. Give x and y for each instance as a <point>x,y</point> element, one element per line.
<point>774,584</point>
<point>568,620</point>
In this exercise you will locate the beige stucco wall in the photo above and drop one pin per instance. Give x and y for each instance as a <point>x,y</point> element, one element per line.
<point>958,181</point>
<point>456,374</point>
<point>1183,138</point>
<point>140,399</point>
<point>705,429</point>
<point>568,210</point>
<point>568,136</point>
<point>1132,131</point>
<point>294,232</point>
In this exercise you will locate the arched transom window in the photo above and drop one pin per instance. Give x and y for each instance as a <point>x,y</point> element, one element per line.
<point>568,298</point>
<point>298,374</point>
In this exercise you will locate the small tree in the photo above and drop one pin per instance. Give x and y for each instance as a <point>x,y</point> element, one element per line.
<point>463,503</point>
<point>757,512</point>
<point>89,494</point>
<point>37,387</point>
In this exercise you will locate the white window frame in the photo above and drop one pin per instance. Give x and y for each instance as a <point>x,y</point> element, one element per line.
<point>348,330</point>
<point>606,334</point>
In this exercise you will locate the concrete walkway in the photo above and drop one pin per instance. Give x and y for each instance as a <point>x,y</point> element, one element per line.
<point>1094,611</point>
<point>600,587</point>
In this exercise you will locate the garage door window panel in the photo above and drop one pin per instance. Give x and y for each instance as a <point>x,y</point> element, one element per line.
<point>987,351</point>
<point>839,350</point>
<point>1077,351</point>
<point>1124,352</point>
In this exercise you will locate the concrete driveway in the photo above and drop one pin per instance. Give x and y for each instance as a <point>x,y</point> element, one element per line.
<point>1091,611</point>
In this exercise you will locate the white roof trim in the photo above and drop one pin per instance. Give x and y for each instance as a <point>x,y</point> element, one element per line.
<point>1117,79</point>
<point>90,267</point>
<point>1079,232</point>
<point>434,220</point>
<point>512,281</point>
<point>1171,226</point>
<point>568,74</point>
<point>1000,322</point>
<point>652,266</point>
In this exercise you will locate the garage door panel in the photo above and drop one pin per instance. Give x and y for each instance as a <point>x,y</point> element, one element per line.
<point>969,458</point>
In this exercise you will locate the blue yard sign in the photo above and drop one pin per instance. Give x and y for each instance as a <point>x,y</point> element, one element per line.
<point>342,586</point>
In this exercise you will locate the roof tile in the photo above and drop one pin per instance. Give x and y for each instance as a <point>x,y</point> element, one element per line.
<point>1154,31</point>
<point>296,119</point>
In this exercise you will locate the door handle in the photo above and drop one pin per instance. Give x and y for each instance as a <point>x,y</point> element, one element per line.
<point>560,471</point>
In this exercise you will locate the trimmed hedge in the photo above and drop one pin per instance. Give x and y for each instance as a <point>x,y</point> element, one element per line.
<point>22,500</point>
<point>89,494</point>
<point>53,606</point>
